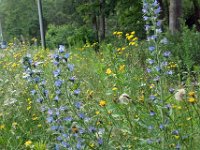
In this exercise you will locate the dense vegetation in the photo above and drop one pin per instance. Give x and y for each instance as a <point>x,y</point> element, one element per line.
<point>135,88</point>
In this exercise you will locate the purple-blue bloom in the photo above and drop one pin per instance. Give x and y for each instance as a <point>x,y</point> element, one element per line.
<point>167,54</point>
<point>70,67</point>
<point>58,83</point>
<point>151,61</point>
<point>151,48</point>
<point>78,105</point>
<point>77,91</point>
<point>56,73</point>
<point>152,113</point>
<point>61,48</point>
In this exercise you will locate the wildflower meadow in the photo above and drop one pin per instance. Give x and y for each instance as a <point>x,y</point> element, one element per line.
<point>126,93</point>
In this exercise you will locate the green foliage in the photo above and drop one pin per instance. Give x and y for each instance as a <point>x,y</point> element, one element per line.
<point>67,35</point>
<point>19,19</point>
<point>185,47</point>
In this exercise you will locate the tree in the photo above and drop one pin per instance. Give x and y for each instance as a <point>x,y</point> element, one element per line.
<point>101,20</point>
<point>175,12</point>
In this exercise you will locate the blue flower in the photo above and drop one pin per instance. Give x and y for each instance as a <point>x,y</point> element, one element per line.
<point>68,119</point>
<point>50,119</point>
<point>151,61</point>
<point>161,126</point>
<point>170,72</point>
<point>54,128</point>
<point>61,48</point>
<point>81,115</point>
<point>45,92</point>
<point>58,83</point>
<point>36,79</point>
<point>145,18</point>
<point>65,144</point>
<point>56,57</point>
<point>72,79</point>
<point>175,132</point>
<point>151,48</point>
<point>56,98</point>
<point>50,112</point>
<point>78,105</point>
<point>171,90</point>
<point>58,92</point>
<point>33,92</point>
<point>59,138</point>
<point>77,91</point>
<point>100,141</point>
<point>147,27</point>
<point>158,23</point>
<point>157,11</point>
<point>92,129</point>
<point>152,97</point>
<point>70,67</point>
<point>56,73</point>
<point>152,113</point>
<point>148,70</point>
<point>167,54</point>
<point>39,100</point>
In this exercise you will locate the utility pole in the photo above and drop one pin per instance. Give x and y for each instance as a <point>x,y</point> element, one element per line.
<point>1,32</point>
<point>41,24</point>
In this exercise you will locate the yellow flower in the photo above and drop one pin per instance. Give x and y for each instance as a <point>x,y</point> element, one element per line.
<point>192,93</point>
<point>102,103</point>
<point>28,108</point>
<point>114,33</point>
<point>135,39</point>
<point>35,118</point>
<point>133,32</point>
<point>129,37</point>
<point>39,125</point>
<point>2,127</point>
<point>141,98</point>
<point>97,112</point>
<point>151,86</point>
<point>119,33</point>
<point>114,89</point>
<point>14,124</point>
<point>28,143</point>
<point>121,68</point>
<point>132,43</point>
<point>177,137</point>
<point>108,71</point>
<point>192,100</point>
<point>14,65</point>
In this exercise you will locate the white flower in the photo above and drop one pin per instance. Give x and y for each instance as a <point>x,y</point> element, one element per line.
<point>124,98</point>
<point>179,95</point>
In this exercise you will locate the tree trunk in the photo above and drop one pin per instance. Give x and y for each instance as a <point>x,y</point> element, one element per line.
<point>175,11</point>
<point>95,27</point>
<point>197,14</point>
<point>101,20</point>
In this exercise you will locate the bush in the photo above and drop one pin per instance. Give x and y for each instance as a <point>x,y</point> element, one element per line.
<point>67,35</point>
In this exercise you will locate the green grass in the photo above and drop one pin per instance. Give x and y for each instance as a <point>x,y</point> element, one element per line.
<point>126,126</point>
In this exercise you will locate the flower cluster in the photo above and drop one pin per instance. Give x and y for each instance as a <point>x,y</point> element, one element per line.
<point>118,33</point>
<point>158,69</point>
<point>68,123</point>
<point>132,38</point>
